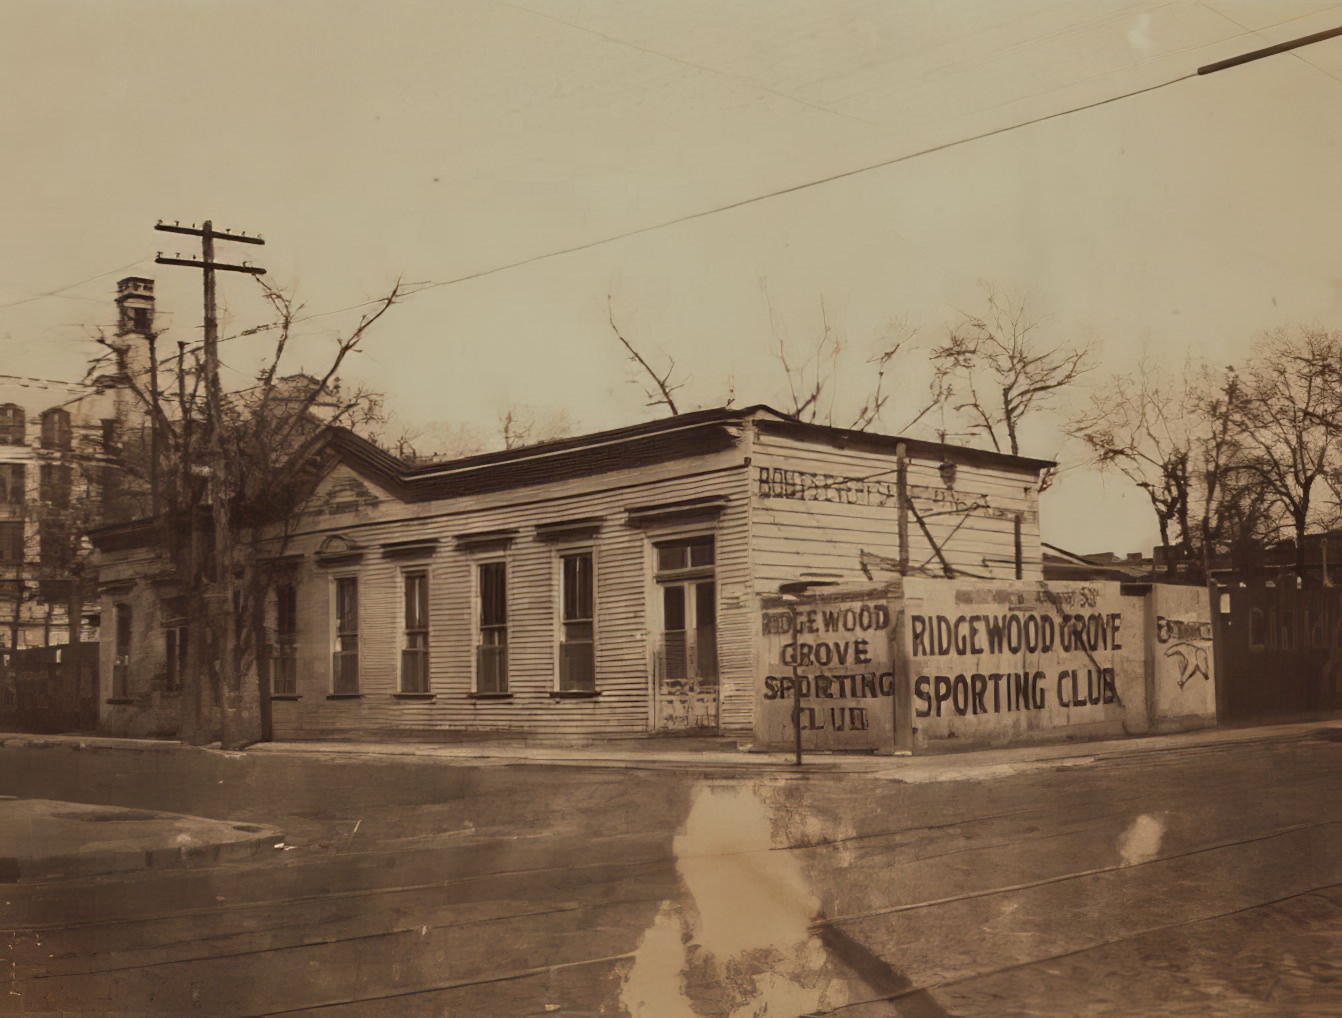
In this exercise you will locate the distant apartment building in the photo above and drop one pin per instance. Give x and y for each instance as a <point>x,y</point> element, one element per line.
<point>59,478</point>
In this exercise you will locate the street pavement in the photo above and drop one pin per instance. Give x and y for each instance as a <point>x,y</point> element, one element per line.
<point>1192,874</point>
<point>45,840</point>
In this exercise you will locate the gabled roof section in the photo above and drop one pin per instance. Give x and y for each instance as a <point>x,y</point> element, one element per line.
<point>701,432</point>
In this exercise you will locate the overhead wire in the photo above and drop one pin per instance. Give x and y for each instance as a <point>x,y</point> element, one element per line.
<point>715,210</point>
<point>60,290</point>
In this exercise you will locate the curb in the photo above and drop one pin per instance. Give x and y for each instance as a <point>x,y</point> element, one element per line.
<point>23,869</point>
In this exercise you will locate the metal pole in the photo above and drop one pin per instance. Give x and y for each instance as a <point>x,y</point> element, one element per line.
<point>796,694</point>
<point>902,505</point>
<point>153,424</point>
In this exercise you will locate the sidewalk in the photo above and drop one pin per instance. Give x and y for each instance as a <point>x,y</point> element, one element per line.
<point>725,753</point>
<point>945,764</point>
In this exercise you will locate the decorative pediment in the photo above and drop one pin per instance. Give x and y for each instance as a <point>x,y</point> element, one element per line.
<point>339,550</point>
<point>344,491</point>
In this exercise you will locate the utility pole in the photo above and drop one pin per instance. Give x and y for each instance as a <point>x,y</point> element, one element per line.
<point>206,263</point>
<point>153,424</point>
<point>218,496</point>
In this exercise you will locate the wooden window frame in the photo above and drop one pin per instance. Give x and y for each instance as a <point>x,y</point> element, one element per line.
<point>415,639</point>
<point>284,656</point>
<point>123,639</point>
<point>490,634</point>
<point>342,685</point>
<point>13,425</point>
<point>572,650</point>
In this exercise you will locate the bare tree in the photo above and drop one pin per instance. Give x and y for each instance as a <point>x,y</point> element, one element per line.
<point>995,369</point>
<point>520,426</point>
<point>233,462</point>
<point>663,389</point>
<point>814,382</point>
<point>1286,417</point>
<point>1145,425</point>
<point>1173,434</point>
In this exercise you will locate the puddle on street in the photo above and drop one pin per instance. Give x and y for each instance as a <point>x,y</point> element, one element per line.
<point>739,943</point>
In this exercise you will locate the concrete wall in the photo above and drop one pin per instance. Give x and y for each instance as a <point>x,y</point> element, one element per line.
<point>1179,633</point>
<point>976,664</point>
<point>999,664</point>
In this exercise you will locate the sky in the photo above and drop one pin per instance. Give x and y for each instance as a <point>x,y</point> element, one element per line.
<point>707,174</point>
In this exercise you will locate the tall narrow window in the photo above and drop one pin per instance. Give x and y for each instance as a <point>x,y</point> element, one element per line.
<point>11,542</point>
<point>56,429</point>
<point>9,692</point>
<point>11,483</point>
<point>121,653</point>
<point>11,425</point>
<point>54,483</point>
<point>577,658</point>
<point>284,658</point>
<point>491,663</point>
<point>175,644</point>
<point>345,664</point>
<point>685,576</point>
<point>415,647</point>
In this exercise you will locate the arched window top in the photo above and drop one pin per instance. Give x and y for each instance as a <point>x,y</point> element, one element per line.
<point>56,429</point>
<point>11,424</point>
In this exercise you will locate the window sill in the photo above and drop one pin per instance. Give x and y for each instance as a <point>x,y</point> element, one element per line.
<point>344,696</point>
<point>415,696</point>
<point>574,694</point>
<point>489,696</point>
<point>119,700</point>
<point>286,696</point>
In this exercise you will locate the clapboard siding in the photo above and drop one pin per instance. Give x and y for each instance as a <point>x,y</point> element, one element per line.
<point>817,508</point>
<point>760,542</point>
<point>623,627</point>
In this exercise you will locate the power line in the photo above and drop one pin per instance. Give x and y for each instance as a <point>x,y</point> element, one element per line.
<point>883,164</point>
<point>805,186</point>
<point>60,290</point>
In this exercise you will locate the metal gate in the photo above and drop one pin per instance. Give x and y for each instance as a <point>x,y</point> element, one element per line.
<point>1278,649</point>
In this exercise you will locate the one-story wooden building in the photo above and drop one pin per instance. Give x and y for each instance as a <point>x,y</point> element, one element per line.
<point>602,584</point>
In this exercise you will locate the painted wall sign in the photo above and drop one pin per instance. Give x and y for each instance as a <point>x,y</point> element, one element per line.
<point>982,663</point>
<point>994,664</point>
<point>806,486</point>
<point>974,691</point>
<point>830,661</point>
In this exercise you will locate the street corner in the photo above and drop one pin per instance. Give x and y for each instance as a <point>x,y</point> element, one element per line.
<point>44,839</point>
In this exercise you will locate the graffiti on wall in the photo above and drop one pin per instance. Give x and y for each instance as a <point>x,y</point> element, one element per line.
<point>685,704</point>
<point>1188,642</point>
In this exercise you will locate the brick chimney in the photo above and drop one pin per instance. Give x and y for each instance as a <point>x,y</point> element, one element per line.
<point>135,322</point>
